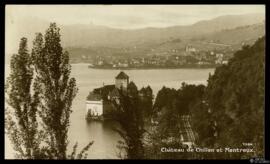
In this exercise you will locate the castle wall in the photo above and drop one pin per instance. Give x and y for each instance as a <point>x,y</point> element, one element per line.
<point>94,107</point>
<point>121,82</point>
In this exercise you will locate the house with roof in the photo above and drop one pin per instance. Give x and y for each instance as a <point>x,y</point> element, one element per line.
<point>99,101</point>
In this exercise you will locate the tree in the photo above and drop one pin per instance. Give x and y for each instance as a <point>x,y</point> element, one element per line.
<point>172,110</point>
<point>21,123</point>
<point>56,89</point>
<point>235,95</point>
<point>42,119</point>
<point>130,117</point>
<point>146,102</point>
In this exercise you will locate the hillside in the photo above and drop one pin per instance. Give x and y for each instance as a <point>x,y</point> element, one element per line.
<point>235,94</point>
<point>229,38</point>
<point>91,40</point>
<point>238,34</point>
<point>91,35</point>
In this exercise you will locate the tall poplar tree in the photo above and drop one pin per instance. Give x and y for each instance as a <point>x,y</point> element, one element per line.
<point>38,125</point>
<point>56,89</point>
<point>20,121</point>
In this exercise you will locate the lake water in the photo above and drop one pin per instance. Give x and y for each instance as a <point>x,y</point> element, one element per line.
<point>105,139</point>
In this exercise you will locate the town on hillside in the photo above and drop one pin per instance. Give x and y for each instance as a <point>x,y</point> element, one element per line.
<point>171,58</point>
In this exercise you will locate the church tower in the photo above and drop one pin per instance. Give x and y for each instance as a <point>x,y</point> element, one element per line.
<point>121,81</point>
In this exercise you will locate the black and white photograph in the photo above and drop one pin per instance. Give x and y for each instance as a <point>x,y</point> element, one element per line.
<point>134,81</point>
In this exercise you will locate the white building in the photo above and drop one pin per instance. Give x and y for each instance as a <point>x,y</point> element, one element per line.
<point>94,108</point>
<point>189,48</point>
<point>225,62</point>
<point>219,58</point>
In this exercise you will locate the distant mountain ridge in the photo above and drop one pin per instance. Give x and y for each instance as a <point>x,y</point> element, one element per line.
<point>233,38</point>
<point>85,36</point>
<point>104,36</point>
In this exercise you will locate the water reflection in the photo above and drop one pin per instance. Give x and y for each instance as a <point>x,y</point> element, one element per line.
<point>105,139</point>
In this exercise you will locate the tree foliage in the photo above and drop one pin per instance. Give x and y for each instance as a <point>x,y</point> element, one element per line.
<point>171,104</point>
<point>235,93</point>
<point>146,102</point>
<point>170,107</point>
<point>43,118</point>
<point>225,113</point>
<point>130,118</point>
<point>21,122</point>
<point>56,89</point>
<point>234,104</point>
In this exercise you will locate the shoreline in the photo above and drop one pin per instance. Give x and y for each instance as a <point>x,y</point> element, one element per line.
<point>154,68</point>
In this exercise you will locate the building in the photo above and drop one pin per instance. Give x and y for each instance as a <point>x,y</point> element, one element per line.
<point>189,48</point>
<point>225,62</point>
<point>121,81</point>
<point>94,106</point>
<point>219,58</point>
<point>99,101</point>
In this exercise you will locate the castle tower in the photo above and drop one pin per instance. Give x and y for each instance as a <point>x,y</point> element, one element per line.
<point>121,80</point>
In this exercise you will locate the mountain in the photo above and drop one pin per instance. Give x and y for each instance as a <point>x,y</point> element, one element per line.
<point>95,37</point>
<point>234,37</point>
<point>91,35</point>
<point>238,34</point>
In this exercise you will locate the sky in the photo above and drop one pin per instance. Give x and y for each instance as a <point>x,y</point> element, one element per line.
<point>128,16</point>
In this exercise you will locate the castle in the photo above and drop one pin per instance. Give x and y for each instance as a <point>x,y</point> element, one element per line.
<point>98,103</point>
